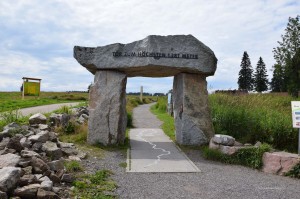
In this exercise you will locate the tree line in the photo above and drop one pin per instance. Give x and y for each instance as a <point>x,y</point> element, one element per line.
<point>286,70</point>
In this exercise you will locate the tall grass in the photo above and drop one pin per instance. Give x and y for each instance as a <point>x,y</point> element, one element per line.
<point>255,117</point>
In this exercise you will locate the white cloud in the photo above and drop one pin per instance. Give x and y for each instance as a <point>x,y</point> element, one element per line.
<point>37,37</point>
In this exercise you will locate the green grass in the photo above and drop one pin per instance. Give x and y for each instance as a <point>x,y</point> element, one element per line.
<point>73,166</point>
<point>13,100</point>
<point>255,117</point>
<point>95,186</point>
<point>250,156</point>
<point>159,109</point>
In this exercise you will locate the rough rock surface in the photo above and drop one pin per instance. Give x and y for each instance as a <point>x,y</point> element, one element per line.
<point>191,112</point>
<point>175,48</point>
<point>279,162</point>
<point>9,160</point>
<point>108,119</point>
<point>223,140</point>
<point>9,177</point>
<point>28,191</point>
<point>37,118</point>
<point>52,150</point>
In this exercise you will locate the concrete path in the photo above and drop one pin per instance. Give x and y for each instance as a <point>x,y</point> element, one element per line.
<point>151,150</point>
<point>45,108</point>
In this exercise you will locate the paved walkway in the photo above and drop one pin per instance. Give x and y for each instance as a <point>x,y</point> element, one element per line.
<point>44,108</point>
<point>151,150</point>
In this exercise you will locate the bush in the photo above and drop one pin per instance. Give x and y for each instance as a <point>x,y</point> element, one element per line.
<point>250,156</point>
<point>294,172</point>
<point>129,120</point>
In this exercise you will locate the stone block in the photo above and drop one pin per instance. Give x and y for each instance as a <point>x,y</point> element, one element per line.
<point>225,140</point>
<point>108,118</point>
<point>279,162</point>
<point>193,121</point>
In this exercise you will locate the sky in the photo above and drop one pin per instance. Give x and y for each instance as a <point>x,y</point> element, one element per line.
<point>37,37</point>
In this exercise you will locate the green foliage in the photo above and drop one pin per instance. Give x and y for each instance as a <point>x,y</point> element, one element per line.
<point>250,156</point>
<point>13,100</point>
<point>10,117</point>
<point>287,56</point>
<point>294,172</point>
<point>256,117</point>
<point>277,82</point>
<point>129,120</point>
<point>73,166</point>
<point>260,76</point>
<point>96,186</point>
<point>64,109</point>
<point>245,80</point>
<point>123,164</point>
<point>70,127</point>
<point>159,109</point>
<point>161,104</point>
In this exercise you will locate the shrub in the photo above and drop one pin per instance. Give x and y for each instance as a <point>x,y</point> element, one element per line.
<point>250,156</point>
<point>294,172</point>
<point>129,120</point>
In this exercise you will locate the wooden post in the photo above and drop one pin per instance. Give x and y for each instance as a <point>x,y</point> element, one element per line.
<point>141,94</point>
<point>23,89</point>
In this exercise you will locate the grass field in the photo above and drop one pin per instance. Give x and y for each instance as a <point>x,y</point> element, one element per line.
<point>13,100</point>
<point>255,117</point>
<point>249,118</point>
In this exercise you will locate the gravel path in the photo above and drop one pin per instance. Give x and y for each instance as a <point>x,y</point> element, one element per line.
<point>44,108</point>
<point>216,181</point>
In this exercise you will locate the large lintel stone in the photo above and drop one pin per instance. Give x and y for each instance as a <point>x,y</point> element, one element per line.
<point>108,119</point>
<point>154,56</point>
<point>192,115</point>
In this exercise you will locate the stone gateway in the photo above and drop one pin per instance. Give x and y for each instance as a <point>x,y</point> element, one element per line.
<point>181,56</point>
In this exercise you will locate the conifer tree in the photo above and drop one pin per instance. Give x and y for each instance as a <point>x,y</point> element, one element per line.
<point>277,81</point>
<point>260,76</point>
<point>245,80</point>
<point>287,56</point>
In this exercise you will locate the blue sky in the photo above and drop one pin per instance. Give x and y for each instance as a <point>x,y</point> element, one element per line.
<point>37,37</point>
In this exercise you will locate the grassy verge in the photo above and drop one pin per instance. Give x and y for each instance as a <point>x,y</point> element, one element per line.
<point>13,100</point>
<point>255,117</point>
<point>160,110</point>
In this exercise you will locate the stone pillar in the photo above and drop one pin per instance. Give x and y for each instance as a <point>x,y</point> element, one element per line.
<point>193,121</point>
<point>108,118</point>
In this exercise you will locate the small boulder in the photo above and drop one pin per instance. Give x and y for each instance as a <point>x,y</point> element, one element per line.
<point>38,165</point>
<point>29,154</point>
<point>43,194</point>
<point>213,145</point>
<point>27,179</point>
<point>54,178</point>
<point>29,191</point>
<point>27,170</point>
<point>9,177</point>
<point>55,119</point>
<point>279,162</point>
<point>56,165</point>
<point>67,178</point>
<point>25,143</point>
<point>37,147</point>
<point>225,140</point>
<point>42,136</point>
<point>4,142</point>
<point>9,160</point>
<point>47,185</point>
<point>52,150</point>
<point>43,127</point>
<point>37,119</point>
<point>3,195</point>
<point>14,143</point>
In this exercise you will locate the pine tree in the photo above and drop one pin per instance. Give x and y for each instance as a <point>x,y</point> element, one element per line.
<point>245,80</point>
<point>277,81</point>
<point>260,76</point>
<point>286,55</point>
